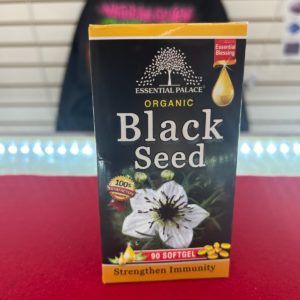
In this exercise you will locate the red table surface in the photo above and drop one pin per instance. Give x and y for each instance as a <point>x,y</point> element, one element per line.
<point>50,247</point>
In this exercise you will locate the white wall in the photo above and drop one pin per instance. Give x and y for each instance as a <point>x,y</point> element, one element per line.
<point>35,41</point>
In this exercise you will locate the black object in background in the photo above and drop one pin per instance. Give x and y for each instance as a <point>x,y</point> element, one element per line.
<point>75,107</point>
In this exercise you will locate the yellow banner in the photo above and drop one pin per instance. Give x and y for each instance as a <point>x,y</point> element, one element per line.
<point>165,271</point>
<point>169,30</point>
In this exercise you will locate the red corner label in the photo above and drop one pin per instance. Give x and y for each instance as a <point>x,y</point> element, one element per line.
<point>225,52</point>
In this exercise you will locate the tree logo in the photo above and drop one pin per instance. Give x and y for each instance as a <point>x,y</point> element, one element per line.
<point>168,62</point>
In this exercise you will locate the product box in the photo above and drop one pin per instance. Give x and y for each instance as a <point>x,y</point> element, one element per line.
<point>167,102</point>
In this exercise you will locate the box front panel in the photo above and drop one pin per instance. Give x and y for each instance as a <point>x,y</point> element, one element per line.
<point>167,121</point>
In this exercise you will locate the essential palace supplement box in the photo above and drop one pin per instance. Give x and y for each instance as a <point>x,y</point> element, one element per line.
<point>167,101</point>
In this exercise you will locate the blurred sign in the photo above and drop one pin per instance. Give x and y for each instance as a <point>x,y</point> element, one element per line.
<point>291,35</point>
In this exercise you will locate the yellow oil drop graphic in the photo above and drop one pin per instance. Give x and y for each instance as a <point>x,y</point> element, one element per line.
<point>129,254</point>
<point>223,91</point>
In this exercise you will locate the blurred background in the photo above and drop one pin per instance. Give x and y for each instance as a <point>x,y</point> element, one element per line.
<point>35,42</point>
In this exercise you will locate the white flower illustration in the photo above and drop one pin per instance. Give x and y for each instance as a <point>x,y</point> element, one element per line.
<point>166,212</point>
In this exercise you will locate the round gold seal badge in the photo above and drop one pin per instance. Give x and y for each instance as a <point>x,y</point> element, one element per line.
<point>121,188</point>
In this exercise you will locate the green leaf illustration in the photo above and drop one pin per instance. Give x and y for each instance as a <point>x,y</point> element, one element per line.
<point>140,257</point>
<point>114,260</point>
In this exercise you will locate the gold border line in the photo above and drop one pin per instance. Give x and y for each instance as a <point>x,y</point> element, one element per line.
<point>169,30</point>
